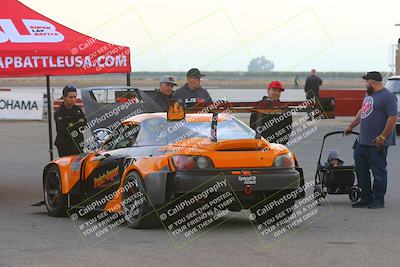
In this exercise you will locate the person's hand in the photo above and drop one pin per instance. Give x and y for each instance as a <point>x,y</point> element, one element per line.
<point>348,130</point>
<point>379,141</point>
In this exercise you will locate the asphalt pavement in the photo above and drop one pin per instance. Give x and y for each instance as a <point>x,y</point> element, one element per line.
<point>336,235</point>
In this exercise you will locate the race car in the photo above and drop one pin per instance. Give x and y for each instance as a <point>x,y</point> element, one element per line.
<point>153,160</point>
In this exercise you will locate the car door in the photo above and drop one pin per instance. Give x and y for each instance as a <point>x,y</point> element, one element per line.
<point>104,168</point>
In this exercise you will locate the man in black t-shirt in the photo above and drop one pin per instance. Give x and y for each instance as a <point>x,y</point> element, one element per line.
<point>311,88</point>
<point>192,92</point>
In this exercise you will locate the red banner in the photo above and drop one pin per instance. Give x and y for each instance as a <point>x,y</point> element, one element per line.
<point>33,45</point>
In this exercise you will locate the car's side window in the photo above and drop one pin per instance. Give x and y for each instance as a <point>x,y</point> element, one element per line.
<point>127,137</point>
<point>123,136</point>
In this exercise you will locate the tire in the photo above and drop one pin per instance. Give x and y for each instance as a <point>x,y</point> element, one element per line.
<point>138,214</point>
<point>271,215</point>
<point>354,194</point>
<point>56,202</point>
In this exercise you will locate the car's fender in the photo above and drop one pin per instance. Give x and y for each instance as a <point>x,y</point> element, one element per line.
<point>70,170</point>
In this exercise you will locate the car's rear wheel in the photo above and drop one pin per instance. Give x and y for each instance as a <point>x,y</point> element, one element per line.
<point>135,205</point>
<point>56,202</point>
<point>264,212</point>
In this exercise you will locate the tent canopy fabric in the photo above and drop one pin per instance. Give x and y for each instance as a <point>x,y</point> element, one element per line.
<point>34,45</point>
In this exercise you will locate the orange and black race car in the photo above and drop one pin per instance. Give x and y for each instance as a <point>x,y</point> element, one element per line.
<point>153,159</point>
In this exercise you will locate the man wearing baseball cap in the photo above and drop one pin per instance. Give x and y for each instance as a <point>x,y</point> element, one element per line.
<point>192,92</point>
<point>163,96</point>
<point>274,90</point>
<point>265,123</point>
<point>377,118</point>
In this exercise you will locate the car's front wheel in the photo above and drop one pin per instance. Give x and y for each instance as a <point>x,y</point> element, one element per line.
<point>56,202</point>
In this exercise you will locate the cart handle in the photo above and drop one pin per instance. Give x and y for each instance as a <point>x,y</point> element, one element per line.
<point>339,132</point>
<point>329,134</point>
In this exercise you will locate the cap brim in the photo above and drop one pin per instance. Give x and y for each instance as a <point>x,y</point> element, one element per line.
<point>365,77</point>
<point>196,75</point>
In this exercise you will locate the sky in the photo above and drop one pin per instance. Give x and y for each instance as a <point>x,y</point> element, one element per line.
<point>224,35</point>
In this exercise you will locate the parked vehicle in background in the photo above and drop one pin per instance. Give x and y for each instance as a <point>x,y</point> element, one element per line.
<point>393,85</point>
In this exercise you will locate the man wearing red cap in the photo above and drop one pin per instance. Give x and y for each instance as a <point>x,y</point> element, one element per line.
<point>274,90</point>
<point>269,124</point>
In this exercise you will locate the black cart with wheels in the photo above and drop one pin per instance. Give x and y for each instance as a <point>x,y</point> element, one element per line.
<point>335,180</point>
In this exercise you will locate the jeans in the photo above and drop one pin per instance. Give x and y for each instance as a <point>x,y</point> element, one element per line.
<point>372,158</point>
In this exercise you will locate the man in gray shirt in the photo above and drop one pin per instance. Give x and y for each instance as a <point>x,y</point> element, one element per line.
<point>192,92</point>
<point>377,118</point>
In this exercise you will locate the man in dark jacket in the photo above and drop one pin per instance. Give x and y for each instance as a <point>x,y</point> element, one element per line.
<point>272,126</point>
<point>311,88</point>
<point>163,96</point>
<point>69,118</point>
<point>192,92</point>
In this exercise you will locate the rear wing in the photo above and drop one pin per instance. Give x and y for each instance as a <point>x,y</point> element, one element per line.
<point>266,107</point>
<point>105,108</point>
<point>260,109</point>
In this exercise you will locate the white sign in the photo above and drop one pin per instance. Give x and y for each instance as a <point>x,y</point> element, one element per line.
<point>21,106</point>
<point>39,32</point>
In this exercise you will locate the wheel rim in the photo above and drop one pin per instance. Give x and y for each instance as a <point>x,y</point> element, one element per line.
<point>52,190</point>
<point>132,210</point>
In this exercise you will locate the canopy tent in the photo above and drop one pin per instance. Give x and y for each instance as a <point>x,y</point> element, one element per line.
<point>34,45</point>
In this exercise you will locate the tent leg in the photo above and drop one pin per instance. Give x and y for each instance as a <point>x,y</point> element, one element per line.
<point>49,117</point>
<point>128,79</point>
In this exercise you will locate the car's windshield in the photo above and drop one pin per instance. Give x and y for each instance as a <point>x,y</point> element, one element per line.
<point>393,86</point>
<point>159,131</point>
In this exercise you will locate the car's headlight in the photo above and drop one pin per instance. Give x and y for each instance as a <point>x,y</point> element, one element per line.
<point>284,161</point>
<point>185,162</point>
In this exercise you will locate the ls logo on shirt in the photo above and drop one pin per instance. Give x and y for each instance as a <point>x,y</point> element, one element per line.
<point>367,107</point>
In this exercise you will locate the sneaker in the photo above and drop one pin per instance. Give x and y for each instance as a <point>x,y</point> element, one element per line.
<point>363,203</point>
<point>376,204</point>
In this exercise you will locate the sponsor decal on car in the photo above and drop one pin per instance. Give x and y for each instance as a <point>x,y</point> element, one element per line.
<point>106,177</point>
<point>248,179</point>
